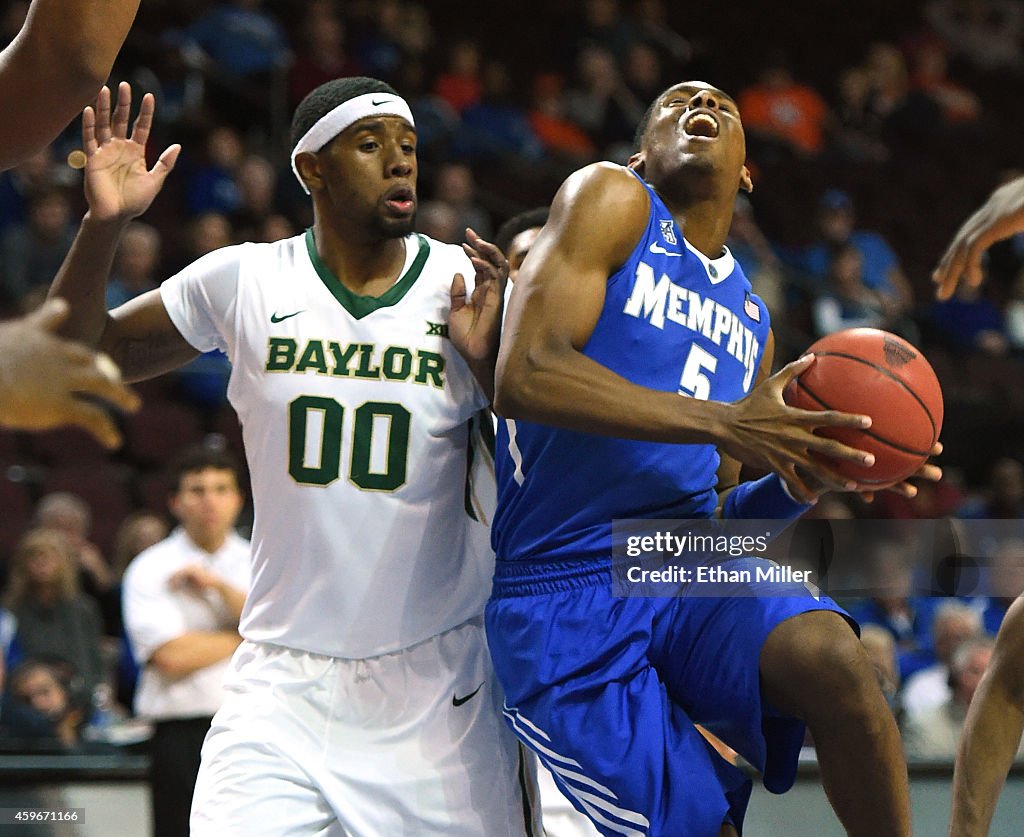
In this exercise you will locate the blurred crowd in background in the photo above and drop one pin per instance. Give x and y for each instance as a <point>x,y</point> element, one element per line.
<point>872,131</point>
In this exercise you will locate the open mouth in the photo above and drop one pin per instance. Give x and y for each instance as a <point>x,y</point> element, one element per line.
<point>701,124</point>
<point>401,200</point>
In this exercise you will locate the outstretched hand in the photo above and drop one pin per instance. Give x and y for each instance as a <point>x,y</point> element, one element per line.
<point>118,186</point>
<point>1001,216</point>
<point>42,377</point>
<point>767,433</point>
<point>474,324</point>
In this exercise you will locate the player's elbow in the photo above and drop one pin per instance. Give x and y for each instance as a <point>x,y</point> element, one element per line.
<point>86,72</point>
<point>72,67</point>
<point>505,404</point>
<point>519,381</point>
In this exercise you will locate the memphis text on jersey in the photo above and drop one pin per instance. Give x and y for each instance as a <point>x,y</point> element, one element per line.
<point>356,360</point>
<point>664,300</point>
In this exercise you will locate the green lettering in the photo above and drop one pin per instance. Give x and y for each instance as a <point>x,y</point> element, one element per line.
<point>280,354</point>
<point>430,368</point>
<point>366,368</point>
<point>397,363</point>
<point>328,468</point>
<point>396,446</point>
<point>342,358</point>
<point>313,358</point>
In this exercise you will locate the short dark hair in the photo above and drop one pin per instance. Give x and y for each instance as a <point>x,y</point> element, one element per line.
<point>525,220</point>
<point>197,458</point>
<point>328,96</point>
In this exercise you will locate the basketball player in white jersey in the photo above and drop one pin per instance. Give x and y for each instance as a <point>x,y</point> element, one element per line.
<point>361,702</point>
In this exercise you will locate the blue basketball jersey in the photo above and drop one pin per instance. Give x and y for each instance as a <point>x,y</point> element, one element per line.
<point>673,320</point>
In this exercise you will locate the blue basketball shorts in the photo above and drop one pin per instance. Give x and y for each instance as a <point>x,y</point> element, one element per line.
<point>606,690</point>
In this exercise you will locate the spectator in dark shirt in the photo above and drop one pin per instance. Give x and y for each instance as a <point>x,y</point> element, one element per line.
<point>55,621</point>
<point>240,38</point>
<point>31,254</point>
<point>43,688</point>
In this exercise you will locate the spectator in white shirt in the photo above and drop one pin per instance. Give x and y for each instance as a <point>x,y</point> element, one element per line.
<point>182,601</point>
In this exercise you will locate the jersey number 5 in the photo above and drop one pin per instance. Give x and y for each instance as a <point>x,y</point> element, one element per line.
<point>380,467</point>
<point>694,382</point>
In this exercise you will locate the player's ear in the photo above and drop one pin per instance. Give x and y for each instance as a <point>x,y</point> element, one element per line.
<point>746,183</point>
<point>636,162</point>
<point>309,169</point>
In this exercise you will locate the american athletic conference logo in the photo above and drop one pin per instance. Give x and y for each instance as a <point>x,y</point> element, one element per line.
<point>896,354</point>
<point>668,232</point>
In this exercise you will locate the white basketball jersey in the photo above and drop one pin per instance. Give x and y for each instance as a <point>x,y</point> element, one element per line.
<point>357,419</point>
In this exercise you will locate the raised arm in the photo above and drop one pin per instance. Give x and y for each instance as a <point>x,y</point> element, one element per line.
<point>991,733</point>
<point>55,65</point>
<point>596,219</point>
<point>139,335</point>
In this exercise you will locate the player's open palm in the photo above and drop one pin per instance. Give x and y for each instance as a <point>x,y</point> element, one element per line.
<point>475,321</point>
<point>118,185</point>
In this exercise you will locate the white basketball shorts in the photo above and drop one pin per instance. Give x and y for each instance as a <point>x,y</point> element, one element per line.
<point>410,743</point>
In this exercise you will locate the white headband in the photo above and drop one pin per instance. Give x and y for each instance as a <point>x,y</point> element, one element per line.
<point>333,122</point>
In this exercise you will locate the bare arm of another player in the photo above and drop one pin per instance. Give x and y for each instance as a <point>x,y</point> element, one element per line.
<point>992,731</point>
<point>55,65</point>
<point>194,650</point>
<point>596,219</point>
<point>1001,216</point>
<point>40,374</point>
<point>139,335</point>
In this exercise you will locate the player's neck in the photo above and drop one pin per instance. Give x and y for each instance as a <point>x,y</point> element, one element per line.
<point>705,225</point>
<point>366,265</point>
<point>700,205</point>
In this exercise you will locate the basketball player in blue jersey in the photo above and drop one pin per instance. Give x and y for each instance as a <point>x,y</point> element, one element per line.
<point>627,301</point>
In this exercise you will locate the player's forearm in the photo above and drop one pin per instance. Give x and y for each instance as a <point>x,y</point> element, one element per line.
<point>82,280</point>
<point>85,35</point>
<point>55,66</point>
<point>484,372</point>
<point>987,749</point>
<point>193,651</point>
<point>564,388</point>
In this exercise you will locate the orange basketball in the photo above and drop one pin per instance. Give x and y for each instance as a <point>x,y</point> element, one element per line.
<point>873,372</point>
